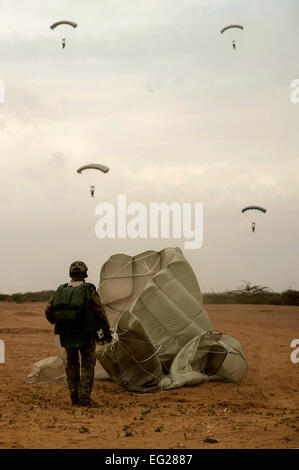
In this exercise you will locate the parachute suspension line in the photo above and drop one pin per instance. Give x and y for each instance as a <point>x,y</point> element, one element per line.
<point>134,275</point>
<point>124,372</point>
<point>125,265</point>
<point>140,341</point>
<point>125,308</point>
<point>146,267</point>
<point>116,272</point>
<point>130,339</point>
<point>112,348</point>
<point>154,354</point>
<point>138,362</point>
<point>131,260</point>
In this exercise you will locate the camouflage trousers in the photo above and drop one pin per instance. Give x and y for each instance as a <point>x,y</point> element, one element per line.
<point>80,379</point>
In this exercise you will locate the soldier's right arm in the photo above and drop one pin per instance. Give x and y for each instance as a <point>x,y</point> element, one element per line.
<point>100,311</point>
<point>49,311</point>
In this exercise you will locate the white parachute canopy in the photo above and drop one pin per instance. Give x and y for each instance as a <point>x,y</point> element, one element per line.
<point>64,30</point>
<point>165,337</point>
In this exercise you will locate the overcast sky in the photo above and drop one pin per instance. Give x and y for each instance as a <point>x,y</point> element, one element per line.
<point>151,89</point>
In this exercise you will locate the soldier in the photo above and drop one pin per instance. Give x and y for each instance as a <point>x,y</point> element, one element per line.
<point>77,312</point>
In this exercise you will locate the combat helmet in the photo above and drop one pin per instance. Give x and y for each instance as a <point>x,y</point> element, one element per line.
<point>78,269</point>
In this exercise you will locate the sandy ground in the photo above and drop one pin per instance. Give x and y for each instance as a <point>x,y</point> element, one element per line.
<point>261,412</point>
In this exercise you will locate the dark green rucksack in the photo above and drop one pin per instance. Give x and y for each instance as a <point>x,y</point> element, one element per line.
<point>72,313</point>
<point>70,303</point>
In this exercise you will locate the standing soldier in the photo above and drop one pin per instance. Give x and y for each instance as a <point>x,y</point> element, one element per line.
<point>77,312</point>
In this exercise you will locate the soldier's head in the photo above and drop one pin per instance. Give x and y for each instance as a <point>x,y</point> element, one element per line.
<point>78,270</point>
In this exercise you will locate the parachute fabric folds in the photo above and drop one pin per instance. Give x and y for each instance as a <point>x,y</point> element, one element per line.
<point>161,291</point>
<point>132,361</point>
<point>51,369</point>
<point>208,357</point>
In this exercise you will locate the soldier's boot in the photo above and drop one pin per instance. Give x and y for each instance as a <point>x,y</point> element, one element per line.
<point>73,379</point>
<point>86,383</point>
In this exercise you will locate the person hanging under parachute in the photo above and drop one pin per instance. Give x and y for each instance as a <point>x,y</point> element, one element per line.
<point>60,23</point>
<point>255,208</point>
<point>93,166</point>
<point>232,27</point>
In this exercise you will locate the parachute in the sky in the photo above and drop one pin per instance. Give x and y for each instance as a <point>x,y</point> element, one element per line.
<point>253,208</point>
<point>163,337</point>
<point>63,23</point>
<point>93,166</point>
<point>232,27</point>
<point>58,23</point>
<point>256,208</point>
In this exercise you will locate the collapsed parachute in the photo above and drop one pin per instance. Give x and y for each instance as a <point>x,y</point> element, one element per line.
<point>164,338</point>
<point>60,23</point>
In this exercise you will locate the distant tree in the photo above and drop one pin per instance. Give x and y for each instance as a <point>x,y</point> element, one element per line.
<point>248,289</point>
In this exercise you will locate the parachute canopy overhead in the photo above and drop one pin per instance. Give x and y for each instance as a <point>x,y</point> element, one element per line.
<point>256,208</point>
<point>93,166</point>
<point>58,23</point>
<point>231,27</point>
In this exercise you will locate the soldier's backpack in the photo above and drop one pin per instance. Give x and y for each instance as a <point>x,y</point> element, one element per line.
<point>70,303</point>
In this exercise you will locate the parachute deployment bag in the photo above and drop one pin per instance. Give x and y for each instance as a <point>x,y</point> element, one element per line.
<point>70,303</point>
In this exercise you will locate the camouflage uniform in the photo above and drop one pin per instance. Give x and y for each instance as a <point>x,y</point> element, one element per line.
<point>80,385</point>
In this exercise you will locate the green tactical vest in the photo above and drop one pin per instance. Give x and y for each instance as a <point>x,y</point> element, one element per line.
<point>73,314</point>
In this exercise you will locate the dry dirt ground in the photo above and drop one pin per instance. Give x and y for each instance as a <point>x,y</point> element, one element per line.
<point>260,412</point>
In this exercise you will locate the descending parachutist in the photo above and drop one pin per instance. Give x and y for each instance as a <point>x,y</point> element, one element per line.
<point>253,227</point>
<point>59,23</point>
<point>93,166</point>
<point>234,44</point>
